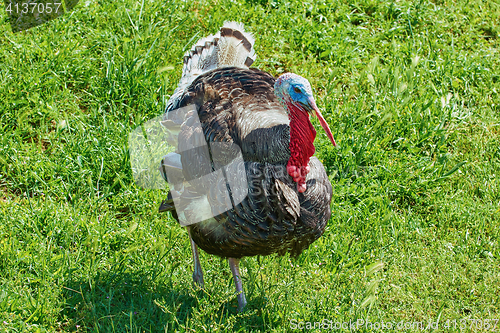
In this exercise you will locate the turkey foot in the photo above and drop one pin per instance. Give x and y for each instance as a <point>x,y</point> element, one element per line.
<point>234,264</point>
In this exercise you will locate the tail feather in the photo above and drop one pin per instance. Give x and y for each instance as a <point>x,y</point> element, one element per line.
<point>231,46</point>
<point>235,46</point>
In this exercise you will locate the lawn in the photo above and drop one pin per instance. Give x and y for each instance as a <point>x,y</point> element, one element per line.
<point>410,91</point>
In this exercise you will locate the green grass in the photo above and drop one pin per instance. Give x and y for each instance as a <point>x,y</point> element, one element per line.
<point>410,90</point>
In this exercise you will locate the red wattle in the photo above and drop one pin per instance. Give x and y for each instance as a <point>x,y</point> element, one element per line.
<point>302,135</point>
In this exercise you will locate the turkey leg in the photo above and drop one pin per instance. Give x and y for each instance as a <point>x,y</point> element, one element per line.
<point>234,264</point>
<point>198,272</point>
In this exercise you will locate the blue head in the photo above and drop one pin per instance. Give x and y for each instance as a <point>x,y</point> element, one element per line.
<point>295,93</point>
<point>294,89</point>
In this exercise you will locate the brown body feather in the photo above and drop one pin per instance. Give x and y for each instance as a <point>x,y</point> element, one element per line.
<point>238,106</point>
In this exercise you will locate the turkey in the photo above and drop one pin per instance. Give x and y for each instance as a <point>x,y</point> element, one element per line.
<point>242,176</point>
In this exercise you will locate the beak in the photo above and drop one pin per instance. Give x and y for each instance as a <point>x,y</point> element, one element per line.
<point>313,107</point>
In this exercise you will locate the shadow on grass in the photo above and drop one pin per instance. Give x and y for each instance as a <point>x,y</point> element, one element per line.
<point>118,301</point>
<point>122,301</point>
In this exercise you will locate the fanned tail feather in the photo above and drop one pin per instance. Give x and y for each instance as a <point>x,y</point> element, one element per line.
<point>231,46</point>
<point>235,47</point>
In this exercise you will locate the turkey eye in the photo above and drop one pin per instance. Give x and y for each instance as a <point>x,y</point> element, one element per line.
<point>297,90</point>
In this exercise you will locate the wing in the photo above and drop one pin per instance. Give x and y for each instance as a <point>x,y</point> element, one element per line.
<point>239,106</point>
